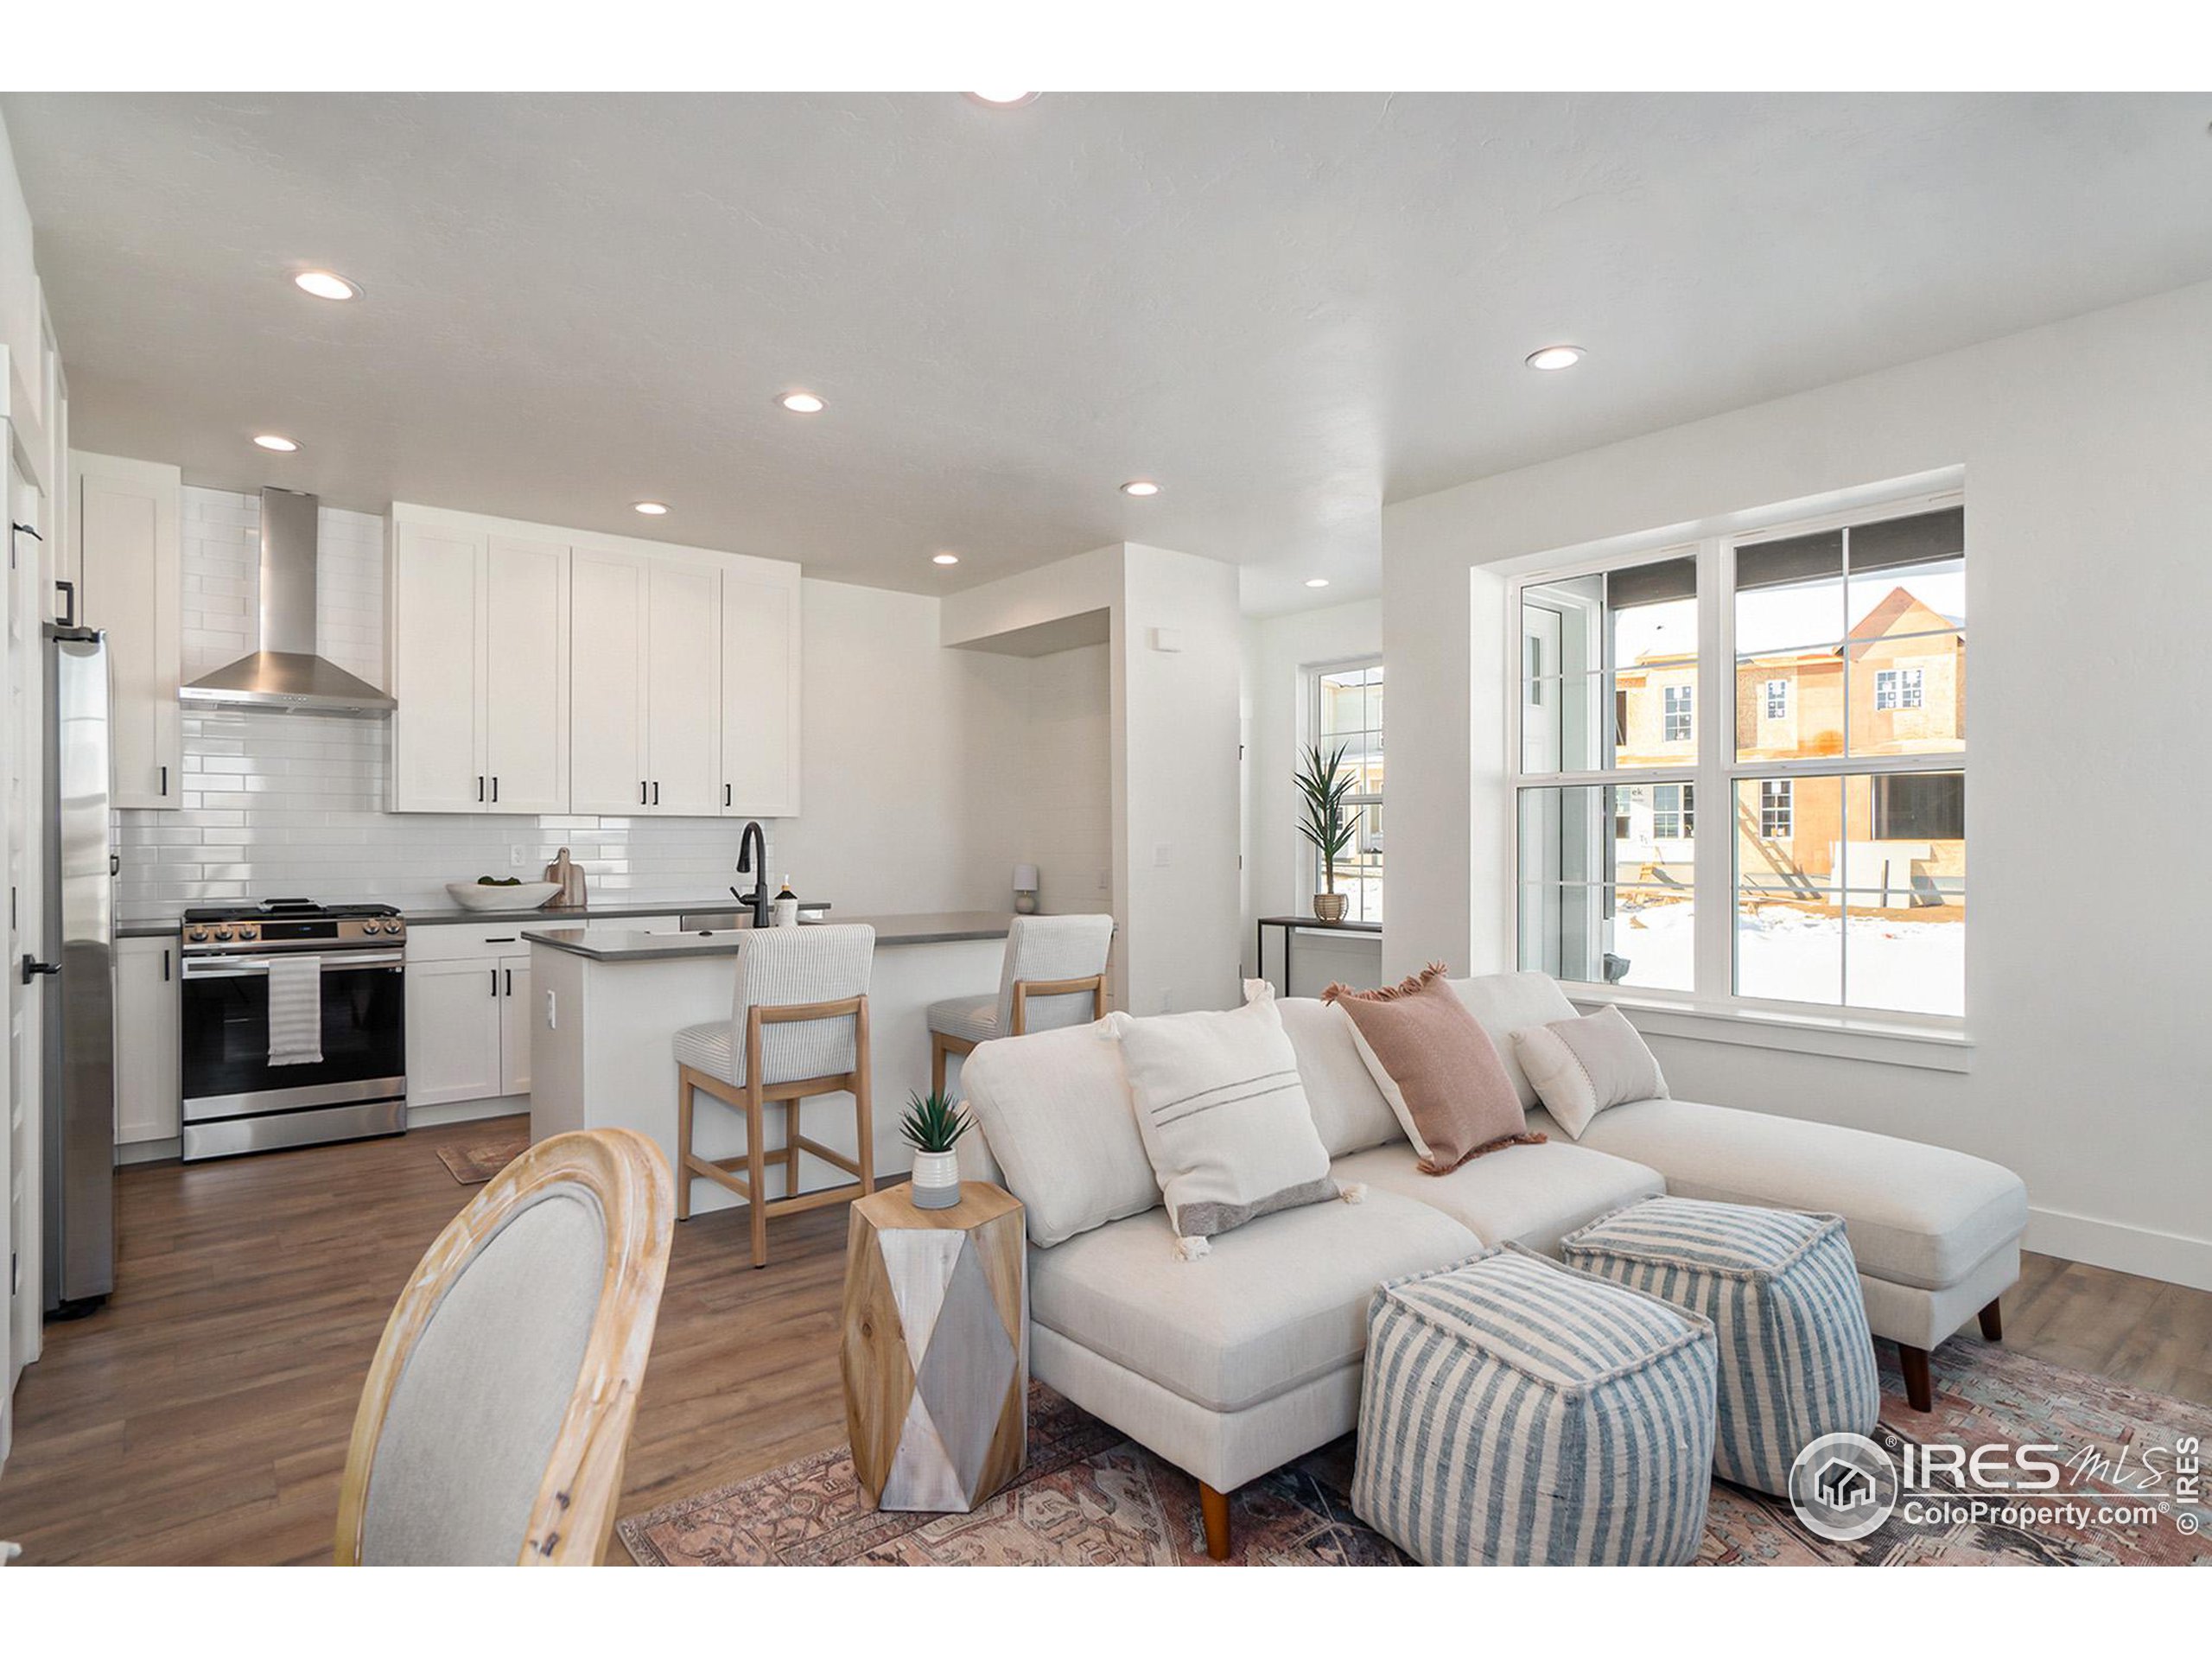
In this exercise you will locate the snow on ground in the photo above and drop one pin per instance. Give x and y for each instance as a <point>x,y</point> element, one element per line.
<point>1789,956</point>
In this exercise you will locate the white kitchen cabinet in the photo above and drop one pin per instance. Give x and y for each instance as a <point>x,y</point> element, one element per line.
<point>124,544</point>
<point>456,1023</point>
<point>607,683</point>
<point>515,1018</point>
<point>683,726</point>
<point>479,656</point>
<point>759,693</point>
<point>149,1086</point>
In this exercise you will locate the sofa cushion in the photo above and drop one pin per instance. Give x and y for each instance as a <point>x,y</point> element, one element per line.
<point>1277,1304</point>
<point>1436,1066</point>
<point>1349,1111</point>
<point>1916,1214</point>
<point>1505,1003</point>
<point>1055,1108</point>
<point>1223,1113</point>
<point>1582,1067</point>
<point>1530,1196</point>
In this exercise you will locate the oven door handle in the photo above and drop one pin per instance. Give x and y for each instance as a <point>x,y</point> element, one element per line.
<point>257,967</point>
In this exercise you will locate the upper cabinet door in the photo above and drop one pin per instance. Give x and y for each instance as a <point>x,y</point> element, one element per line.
<point>761,682</point>
<point>607,683</point>
<point>437,670</point>
<point>684,699</point>
<point>127,554</point>
<point>526,676</point>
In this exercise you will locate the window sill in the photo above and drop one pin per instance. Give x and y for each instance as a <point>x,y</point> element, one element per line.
<point>1844,1036</point>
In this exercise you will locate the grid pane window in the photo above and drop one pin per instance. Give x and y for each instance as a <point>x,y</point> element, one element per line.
<point>1348,713</point>
<point>1841,758</point>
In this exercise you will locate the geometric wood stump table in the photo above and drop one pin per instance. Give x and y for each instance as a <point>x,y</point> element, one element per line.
<point>936,1372</point>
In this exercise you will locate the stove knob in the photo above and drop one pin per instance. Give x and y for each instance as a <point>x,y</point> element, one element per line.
<point>197,936</point>
<point>222,933</point>
<point>391,927</point>
<point>249,933</point>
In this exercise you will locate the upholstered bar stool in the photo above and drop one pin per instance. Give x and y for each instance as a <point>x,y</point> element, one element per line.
<point>798,1028</point>
<point>1055,975</point>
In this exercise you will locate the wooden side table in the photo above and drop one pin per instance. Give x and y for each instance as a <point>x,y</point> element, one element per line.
<point>936,1372</point>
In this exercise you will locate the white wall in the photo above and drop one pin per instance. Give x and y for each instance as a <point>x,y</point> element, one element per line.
<point>1065,791</point>
<point>1279,864</point>
<point>2089,522</point>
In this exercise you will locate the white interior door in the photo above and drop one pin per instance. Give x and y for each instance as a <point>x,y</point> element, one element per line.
<point>22,850</point>
<point>438,672</point>
<point>760,643</point>
<point>607,683</point>
<point>526,676</point>
<point>684,691</point>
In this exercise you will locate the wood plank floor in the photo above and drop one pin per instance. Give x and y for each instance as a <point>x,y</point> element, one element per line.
<point>202,1416</point>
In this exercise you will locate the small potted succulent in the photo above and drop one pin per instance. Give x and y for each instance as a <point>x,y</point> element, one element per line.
<point>1323,783</point>
<point>934,1126</point>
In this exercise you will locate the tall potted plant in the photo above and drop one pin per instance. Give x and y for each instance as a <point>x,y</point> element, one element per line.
<point>1323,783</point>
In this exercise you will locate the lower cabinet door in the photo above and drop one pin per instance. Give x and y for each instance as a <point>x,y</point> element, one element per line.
<point>516,1024</point>
<point>455,1016</point>
<point>148,1077</point>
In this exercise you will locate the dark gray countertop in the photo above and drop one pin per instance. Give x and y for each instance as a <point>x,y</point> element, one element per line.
<point>929,927</point>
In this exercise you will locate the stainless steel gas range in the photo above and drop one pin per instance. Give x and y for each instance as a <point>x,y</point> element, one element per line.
<point>295,1018</point>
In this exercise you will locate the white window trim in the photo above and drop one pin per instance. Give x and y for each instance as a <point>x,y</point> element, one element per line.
<point>1309,723</point>
<point>1939,1041</point>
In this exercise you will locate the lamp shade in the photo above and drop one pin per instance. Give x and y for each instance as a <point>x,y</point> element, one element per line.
<point>1025,878</point>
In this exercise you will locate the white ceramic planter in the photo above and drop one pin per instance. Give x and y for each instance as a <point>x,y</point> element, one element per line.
<point>936,1180</point>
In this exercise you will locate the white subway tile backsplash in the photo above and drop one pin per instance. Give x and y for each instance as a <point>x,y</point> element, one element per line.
<point>292,805</point>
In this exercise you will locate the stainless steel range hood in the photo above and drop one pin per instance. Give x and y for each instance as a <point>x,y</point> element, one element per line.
<point>285,675</point>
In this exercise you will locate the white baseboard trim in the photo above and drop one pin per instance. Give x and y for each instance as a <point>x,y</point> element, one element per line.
<point>2174,1257</point>
<point>466,1111</point>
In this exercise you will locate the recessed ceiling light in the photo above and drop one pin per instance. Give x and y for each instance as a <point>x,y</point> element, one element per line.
<point>1004,100</point>
<point>802,403</point>
<point>1140,486</point>
<point>944,558</point>
<point>327,285</point>
<point>651,509</point>
<point>270,441</point>
<point>1316,581</point>
<point>1555,357</point>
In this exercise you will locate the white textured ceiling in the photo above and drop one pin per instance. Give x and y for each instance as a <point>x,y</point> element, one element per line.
<point>1289,309</point>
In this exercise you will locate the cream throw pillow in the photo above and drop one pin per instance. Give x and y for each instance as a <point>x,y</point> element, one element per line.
<point>1223,1117</point>
<point>1580,1067</point>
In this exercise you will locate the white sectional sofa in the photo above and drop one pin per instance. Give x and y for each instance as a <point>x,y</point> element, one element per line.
<point>1231,1365</point>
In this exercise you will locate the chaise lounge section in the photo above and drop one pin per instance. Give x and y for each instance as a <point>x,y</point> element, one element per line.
<point>1234,1364</point>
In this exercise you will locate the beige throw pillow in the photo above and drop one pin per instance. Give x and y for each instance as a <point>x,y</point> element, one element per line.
<point>1581,1066</point>
<point>1437,1067</point>
<point>1223,1117</point>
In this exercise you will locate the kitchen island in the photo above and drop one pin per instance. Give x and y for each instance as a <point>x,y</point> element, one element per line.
<point>609,1004</point>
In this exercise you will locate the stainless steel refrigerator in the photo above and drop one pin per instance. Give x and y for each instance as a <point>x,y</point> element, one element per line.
<point>78,951</point>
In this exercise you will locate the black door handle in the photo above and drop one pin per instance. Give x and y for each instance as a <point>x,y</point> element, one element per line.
<point>32,968</point>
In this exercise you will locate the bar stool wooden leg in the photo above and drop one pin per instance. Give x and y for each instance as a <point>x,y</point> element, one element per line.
<point>790,1148</point>
<point>864,1140</point>
<point>683,1144</point>
<point>756,1155</point>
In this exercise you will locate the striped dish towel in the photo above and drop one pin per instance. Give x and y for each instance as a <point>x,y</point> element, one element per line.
<point>296,1011</point>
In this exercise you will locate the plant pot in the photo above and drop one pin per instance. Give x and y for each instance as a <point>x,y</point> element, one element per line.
<point>936,1180</point>
<point>1331,906</point>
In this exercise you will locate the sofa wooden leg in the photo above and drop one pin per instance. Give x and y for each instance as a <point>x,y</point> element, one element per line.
<point>1215,1506</point>
<point>1919,1389</point>
<point>1992,1322</point>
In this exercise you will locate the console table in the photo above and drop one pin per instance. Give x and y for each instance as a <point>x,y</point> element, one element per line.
<point>1292,927</point>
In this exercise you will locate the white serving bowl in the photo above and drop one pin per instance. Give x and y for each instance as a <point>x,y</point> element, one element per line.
<point>474,895</point>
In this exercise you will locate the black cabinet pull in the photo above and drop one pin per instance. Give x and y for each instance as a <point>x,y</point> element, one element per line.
<point>510,982</point>
<point>165,783</point>
<point>656,791</point>
<point>165,965</point>
<point>726,800</point>
<point>642,788</point>
<point>495,786</point>
<point>495,981</point>
<point>480,789</point>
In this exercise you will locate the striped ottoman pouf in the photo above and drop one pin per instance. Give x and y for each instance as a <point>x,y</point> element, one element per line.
<point>1517,1412</point>
<point>1782,1290</point>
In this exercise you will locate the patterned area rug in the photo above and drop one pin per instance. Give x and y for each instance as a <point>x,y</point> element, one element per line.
<point>479,1161</point>
<point>1090,1497</point>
